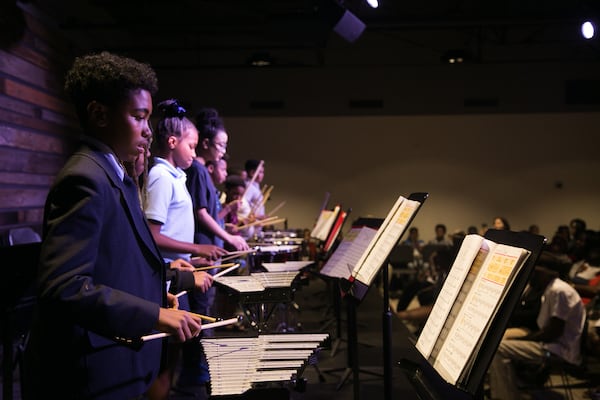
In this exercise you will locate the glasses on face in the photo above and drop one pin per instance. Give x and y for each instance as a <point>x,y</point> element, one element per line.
<point>220,146</point>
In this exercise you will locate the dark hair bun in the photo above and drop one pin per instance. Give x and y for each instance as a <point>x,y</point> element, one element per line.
<point>171,109</point>
<point>209,119</point>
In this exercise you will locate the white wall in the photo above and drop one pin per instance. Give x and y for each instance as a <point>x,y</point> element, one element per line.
<point>476,162</point>
<point>474,167</point>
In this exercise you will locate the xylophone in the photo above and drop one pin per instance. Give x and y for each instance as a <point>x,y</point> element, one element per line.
<point>237,365</point>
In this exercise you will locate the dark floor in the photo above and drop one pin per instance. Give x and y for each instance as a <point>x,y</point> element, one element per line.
<point>330,375</point>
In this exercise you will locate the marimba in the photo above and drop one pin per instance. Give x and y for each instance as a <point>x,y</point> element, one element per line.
<point>237,365</point>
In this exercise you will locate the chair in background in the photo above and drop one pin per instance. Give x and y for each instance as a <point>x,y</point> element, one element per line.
<point>556,373</point>
<point>22,235</point>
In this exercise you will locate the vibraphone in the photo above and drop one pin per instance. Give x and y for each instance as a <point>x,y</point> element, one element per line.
<point>237,365</point>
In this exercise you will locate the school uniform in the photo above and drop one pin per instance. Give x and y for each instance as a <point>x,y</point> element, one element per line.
<point>100,277</point>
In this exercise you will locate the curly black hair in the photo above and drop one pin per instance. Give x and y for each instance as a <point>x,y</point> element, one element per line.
<point>106,78</point>
<point>209,123</point>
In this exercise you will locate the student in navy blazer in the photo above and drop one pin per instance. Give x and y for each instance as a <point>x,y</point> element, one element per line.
<point>101,278</point>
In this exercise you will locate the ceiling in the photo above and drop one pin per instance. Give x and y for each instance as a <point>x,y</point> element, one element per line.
<point>194,34</point>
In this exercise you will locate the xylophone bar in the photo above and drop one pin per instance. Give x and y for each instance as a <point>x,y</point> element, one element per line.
<point>236,364</point>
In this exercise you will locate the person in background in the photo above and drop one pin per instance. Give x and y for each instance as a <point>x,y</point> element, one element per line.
<point>211,147</point>
<point>218,174</point>
<point>440,236</point>
<point>255,173</point>
<point>534,229</point>
<point>560,323</point>
<point>234,192</point>
<point>169,208</point>
<point>181,276</point>
<point>91,293</point>
<point>208,228</point>
<point>501,223</point>
<point>416,310</point>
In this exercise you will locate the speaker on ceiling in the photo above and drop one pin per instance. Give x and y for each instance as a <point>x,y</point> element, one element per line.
<point>343,22</point>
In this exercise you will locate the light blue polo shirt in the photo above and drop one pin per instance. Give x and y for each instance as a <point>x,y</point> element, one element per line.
<point>170,204</point>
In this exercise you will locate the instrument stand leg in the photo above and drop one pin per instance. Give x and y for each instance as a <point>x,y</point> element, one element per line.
<point>337,306</point>
<point>352,368</point>
<point>387,335</point>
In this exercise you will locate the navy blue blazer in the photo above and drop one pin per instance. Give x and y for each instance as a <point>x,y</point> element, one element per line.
<point>101,276</point>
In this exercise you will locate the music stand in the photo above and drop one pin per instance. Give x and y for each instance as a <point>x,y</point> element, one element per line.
<point>394,226</point>
<point>428,384</point>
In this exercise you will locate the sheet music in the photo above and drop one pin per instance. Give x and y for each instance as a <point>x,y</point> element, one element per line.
<point>348,252</point>
<point>386,238</point>
<point>447,297</point>
<point>324,223</point>
<point>480,304</point>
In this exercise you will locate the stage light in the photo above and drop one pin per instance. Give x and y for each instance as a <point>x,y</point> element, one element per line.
<point>373,3</point>
<point>588,29</point>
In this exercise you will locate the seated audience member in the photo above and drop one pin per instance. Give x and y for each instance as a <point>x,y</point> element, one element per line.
<point>501,223</point>
<point>413,239</point>
<point>585,277</point>
<point>560,323</point>
<point>440,236</point>
<point>555,257</point>
<point>523,318</point>
<point>415,313</point>
<point>472,229</point>
<point>534,229</point>
<point>587,269</point>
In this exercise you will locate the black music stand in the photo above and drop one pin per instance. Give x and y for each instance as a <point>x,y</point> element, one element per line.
<point>334,287</point>
<point>358,291</point>
<point>428,384</point>
<point>352,366</point>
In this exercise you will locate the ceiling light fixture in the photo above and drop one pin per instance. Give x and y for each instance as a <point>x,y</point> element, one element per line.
<point>261,59</point>
<point>373,3</point>
<point>455,56</point>
<point>588,29</point>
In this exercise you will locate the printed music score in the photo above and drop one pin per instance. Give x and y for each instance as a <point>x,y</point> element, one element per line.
<point>385,239</point>
<point>348,253</point>
<point>325,223</point>
<point>477,283</point>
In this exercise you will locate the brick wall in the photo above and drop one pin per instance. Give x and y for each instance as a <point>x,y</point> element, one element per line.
<point>37,124</point>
